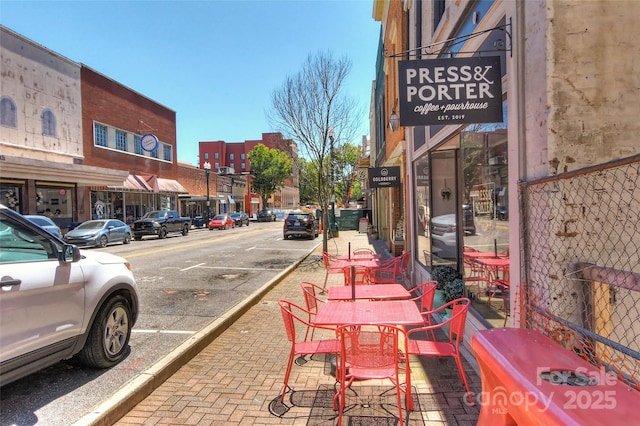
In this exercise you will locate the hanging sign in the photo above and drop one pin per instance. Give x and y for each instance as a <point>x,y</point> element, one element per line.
<point>149,142</point>
<point>384,177</point>
<point>450,91</point>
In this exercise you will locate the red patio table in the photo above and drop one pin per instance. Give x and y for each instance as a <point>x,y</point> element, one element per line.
<point>359,257</point>
<point>480,254</point>
<point>341,264</point>
<point>390,312</point>
<point>493,266</point>
<point>378,291</point>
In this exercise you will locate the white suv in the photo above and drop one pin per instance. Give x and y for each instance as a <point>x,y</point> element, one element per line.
<point>56,301</point>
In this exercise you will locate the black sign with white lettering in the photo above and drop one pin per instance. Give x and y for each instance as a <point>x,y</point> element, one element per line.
<point>384,177</point>
<point>450,91</point>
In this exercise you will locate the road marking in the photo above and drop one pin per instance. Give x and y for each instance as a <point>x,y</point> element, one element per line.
<point>191,267</point>
<point>242,269</point>
<point>187,245</point>
<point>151,331</point>
<point>250,248</point>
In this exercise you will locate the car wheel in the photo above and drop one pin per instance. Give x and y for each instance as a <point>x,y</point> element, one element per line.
<point>109,335</point>
<point>162,233</point>
<point>185,230</point>
<point>103,241</point>
<point>127,239</point>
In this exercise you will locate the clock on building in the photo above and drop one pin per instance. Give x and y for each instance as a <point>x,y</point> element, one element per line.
<point>149,142</point>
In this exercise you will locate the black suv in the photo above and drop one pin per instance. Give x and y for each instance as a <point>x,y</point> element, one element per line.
<point>300,224</point>
<point>266,216</point>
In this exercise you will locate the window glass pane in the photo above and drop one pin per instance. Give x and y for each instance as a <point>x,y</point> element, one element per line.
<point>48,123</point>
<point>137,140</point>
<point>100,136</point>
<point>20,244</point>
<point>485,197</point>
<point>168,152</point>
<point>422,197</point>
<point>121,140</point>
<point>444,220</point>
<point>8,115</point>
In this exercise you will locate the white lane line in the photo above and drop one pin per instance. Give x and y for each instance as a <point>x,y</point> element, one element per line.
<point>191,267</point>
<point>150,331</point>
<point>242,269</point>
<point>251,248</point>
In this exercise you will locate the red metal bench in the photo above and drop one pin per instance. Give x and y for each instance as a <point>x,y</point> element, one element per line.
<point>527,378</point>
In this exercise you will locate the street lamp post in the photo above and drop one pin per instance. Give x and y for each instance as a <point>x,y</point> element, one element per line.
<point>207,172</point>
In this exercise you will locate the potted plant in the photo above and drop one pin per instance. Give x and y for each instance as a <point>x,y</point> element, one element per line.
<point>443,275</point>
<point>453,290</point>
<point>373,231</point>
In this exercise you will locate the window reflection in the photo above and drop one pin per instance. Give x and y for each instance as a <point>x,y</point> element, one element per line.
<point>461,201</point>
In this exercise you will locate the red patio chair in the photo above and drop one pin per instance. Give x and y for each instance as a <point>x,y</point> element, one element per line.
<point>293,315</point>
<point>361,275</point>
<point>424,295</point>
<point>327,260</point>
<point>387,273</point>
<point>371,352</point>
<point>364,250</point>
<point>404,266</point>
<point>450,348</point>
<point>312,300</point>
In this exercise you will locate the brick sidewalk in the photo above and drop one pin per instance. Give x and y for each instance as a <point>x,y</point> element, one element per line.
<point>238,377</point>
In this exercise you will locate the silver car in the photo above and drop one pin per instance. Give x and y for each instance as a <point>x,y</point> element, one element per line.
<point>57,302</point>
<point>45,223</point>
<point>99,233</point>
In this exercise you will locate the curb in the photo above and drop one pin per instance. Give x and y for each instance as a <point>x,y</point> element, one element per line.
<point>137,389</point>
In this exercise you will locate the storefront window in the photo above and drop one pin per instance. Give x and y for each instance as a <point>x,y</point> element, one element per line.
<point>423,216</point>
<point>461,201</point>
<point>54,200</point>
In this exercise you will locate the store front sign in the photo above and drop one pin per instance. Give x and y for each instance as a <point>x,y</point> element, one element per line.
<point>450,91</point>
<point>384,177</point>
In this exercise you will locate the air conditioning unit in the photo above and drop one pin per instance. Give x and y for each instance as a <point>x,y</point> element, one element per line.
<point>226,171</point>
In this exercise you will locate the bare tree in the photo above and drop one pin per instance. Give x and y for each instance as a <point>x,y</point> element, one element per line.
<point>309,107</point>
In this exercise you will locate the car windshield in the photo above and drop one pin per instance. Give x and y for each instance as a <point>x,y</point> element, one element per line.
<point>40,221</point>
<point>236,215</point>
<point>154,215</point>
<point>94,224</point>
<point>219,217</point>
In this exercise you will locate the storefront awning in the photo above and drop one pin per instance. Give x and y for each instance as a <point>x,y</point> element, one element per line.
<point>27,168</point>
<point>141,183</point>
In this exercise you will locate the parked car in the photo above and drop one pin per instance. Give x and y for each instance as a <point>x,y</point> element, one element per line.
<point>221,221</point>
<point>443,233</point>
<point>45,223</point>
<point>300,224</point>
<point>501,213</point>
<point>161,223</point>
<point>266,216</point>
<point>58,301</point>
<point>469,222</point>
<point>99,233</point>
<point>240,218</point>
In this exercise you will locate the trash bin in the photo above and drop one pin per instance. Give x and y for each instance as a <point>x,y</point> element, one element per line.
<point>197,221</point>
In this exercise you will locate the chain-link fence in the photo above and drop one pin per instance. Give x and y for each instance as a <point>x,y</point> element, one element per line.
<point>581,263</point>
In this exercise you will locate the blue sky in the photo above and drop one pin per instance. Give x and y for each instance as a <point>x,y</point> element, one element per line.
<point>216,63</point>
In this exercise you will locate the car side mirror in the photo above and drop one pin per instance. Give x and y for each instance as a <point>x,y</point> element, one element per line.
<point>70,253</point>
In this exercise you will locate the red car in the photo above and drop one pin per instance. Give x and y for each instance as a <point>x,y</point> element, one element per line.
<point>222,221</point>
